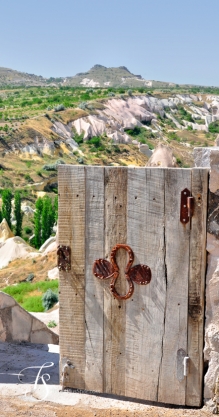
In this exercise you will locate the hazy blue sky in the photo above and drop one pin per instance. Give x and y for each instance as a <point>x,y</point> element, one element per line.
<point>167,40</point>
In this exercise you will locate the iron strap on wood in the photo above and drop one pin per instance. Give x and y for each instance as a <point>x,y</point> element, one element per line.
<point>187,206</point>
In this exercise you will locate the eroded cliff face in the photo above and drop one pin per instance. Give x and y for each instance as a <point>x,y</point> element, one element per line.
<point>53,134</point>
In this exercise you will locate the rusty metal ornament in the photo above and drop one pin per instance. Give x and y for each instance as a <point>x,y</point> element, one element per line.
<point>140,274</point>
<point>64,258</point>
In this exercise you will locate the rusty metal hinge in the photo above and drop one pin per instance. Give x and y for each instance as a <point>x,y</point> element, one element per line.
<point>64,258</point>
<point>187,206</point>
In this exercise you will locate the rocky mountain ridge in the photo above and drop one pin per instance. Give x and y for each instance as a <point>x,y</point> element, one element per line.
<point>97,76</point>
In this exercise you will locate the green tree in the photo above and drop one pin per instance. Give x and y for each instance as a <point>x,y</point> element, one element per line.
<point>37,223</point>
<point>55,205</point>
<point>6,206</point>
<point>1,217</point>
<point>18,213</point>
<point>48,218</point>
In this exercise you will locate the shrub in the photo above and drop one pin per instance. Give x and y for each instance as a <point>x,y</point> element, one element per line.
<point>214,127</point>
<point>95,141</point>
<point>79,138</point>
<point>60,107</point>
<point>27,230</point>
<point>28,178</point>
<point>52,323</point>
<point>53,167</point>
<point>83,105</point>
<point>129,92</point>
<point>30,277</point>
<point>49,299</point>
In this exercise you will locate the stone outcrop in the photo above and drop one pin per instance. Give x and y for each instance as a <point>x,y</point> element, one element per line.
<point>162,157</point>
<point>209,157</point>
<point>53,273</point>
<point>17,325</point>
<point>15,248</point>
<point>5,231</point>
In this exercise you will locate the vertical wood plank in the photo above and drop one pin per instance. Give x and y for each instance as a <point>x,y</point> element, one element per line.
<point>94,289</point>
<point>196,287</point>
<point>145,309</point>
<point>114,310</point>
<point>177,236</point>
<point>71,233</point>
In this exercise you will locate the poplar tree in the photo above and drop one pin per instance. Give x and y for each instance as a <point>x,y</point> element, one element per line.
<point>18,213</point>
<point>6,206</point>
<point>37,223</point>
<point>47,218</point>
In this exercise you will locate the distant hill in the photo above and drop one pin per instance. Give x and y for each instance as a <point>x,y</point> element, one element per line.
<point>100,76</point>
<point>97,76</point>
<point>12,77</point>
<point>16,78</point>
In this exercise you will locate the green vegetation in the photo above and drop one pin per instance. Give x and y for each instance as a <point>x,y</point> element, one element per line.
<point>6,206</point>
<point>142,135</point>
<point>52,324</point>
<point>18,214</point>
<point>49,299</point>
<point>44,219</point>
<point>25,293</point>
<point>214,127</point>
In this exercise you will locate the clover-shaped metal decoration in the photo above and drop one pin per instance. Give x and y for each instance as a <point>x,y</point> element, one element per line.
<point>140,274</point>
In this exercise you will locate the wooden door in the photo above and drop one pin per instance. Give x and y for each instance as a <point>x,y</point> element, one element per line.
<point>133,347</point>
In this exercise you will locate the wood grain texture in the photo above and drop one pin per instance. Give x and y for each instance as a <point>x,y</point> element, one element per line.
<point>196,287</point>
<point>129,347</point>
<point>71,233</point>
<point>114,310</point>
<point>94,308</point>
<point>177,237</point>
<point>145,309</point>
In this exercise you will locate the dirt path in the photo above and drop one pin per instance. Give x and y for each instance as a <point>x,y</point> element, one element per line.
<point>12,407</point>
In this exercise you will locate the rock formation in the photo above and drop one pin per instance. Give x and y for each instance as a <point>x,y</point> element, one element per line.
<point>14,248</point>
<point>17,325</point>
<point>209,157</point>
<point>162,157</point>
<point>5,231</point>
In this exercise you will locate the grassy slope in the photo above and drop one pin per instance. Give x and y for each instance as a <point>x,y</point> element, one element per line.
<point>29,295</point>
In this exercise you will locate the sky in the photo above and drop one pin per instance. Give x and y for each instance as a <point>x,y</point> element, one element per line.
<point>165,40</point>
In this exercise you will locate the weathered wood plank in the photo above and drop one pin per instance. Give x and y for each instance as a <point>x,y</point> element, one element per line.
<point>94,289</point>
<point>71,233</point>
<point>177,235</point>
<point>114,310</point>
<point>145,309</point>
<point>196,287</point>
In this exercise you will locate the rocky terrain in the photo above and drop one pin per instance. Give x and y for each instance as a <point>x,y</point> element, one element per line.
<point>97,76</point>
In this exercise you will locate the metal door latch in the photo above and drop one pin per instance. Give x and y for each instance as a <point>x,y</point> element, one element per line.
<point>182,363</point>
<point>64,258</point>
<point>187,206</point>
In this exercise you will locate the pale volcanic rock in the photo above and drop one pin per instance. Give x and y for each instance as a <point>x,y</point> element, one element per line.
<point>15,248</point>
<point>120,138</point>
<point>53,273</point>
<point>144,148</point>
<point>5,231</point>
<point>162,157</point>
